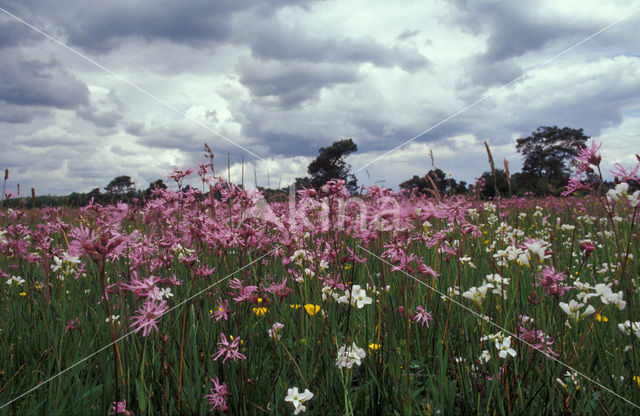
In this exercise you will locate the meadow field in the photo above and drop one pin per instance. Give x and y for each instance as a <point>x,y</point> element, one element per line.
<point>324,303</point>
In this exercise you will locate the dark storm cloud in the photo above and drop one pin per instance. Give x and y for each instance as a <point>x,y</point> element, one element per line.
<point>292,43</point>
<point>12,113</point>
<point>513,31</point>
<point>70,142</point>
<point>483,72</point>
<point>285,143</point>
<point>172,136</point>
<point>13,33</point>
<point>106,112</point>
<point>102,26</point>
<point>32,82</point>
<point>292,83</point>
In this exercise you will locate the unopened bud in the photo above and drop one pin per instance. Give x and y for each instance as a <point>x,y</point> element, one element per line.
<point>587,247</point>
<point>6,174</point>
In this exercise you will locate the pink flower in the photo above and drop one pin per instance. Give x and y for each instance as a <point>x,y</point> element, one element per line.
<point>422,316</point>
<point>222,311</point>
<point>72,325</point>
<point>279,289</point>
<point>109,244</point>
<point>217,395</point>
<point>120,408</point>
<point>427,271</point>
<point>228,349</point>
<point>204,271</point>
<point>575,184</point>
<point>589,156</point>
<point>551,280</point>
<point>145,321</point>
<point>624,176</point>
<point>142,288</point>
<point>587,247</point>
<point>538,340</point>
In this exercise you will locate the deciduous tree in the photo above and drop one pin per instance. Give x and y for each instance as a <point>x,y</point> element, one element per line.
<point>547,154</point>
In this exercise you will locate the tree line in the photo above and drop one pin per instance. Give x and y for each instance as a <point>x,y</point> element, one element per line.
<point>547,161</point>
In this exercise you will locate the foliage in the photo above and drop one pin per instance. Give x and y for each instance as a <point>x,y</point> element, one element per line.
<point>499,182</point>
<point>547,153</point>
<point>120,185</point>
<point>330,164</point>
<point>444,185</point>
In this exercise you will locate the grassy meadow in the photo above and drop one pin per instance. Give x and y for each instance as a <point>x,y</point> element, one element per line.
<point>380,304</point>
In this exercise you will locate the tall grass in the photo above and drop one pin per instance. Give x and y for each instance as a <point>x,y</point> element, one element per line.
<point>409,252</point>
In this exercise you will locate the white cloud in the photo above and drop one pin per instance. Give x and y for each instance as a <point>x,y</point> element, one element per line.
<point>284,80</point>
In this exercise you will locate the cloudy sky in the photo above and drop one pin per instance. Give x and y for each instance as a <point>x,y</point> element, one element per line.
<point>136,87</point>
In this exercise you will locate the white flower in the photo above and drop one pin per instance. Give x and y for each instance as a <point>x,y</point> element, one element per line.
<point>347,356</point>
<point>538,248</point>
<point>58,264</point>
<point>505,348</point>
<point>299,256</point>
<point>275,328</point>
<point>523,259</point>
<point>620,191</point>
<point>15,279</point>
<point>476,294</point>
<point>634,199</point>
<point>497,283</point>
<point>328,291</point>
<point>113,318</point>
<point>356,297</point>
<point>296,398</point>
<point>485,356</point>
<point>627,327</point>
<point>607,296</point>
<point>573,309</point>
<point>159,294</point>
<point>360,297</point>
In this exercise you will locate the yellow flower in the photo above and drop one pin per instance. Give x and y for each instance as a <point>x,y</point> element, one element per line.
<point>241,341</point>
<point>374,346</point>
<point>601,318</point>
<point>294,306</point>
<point>259,311</point>
<point>311,309</point>
<point>637,380</point>
<point>347,267</point>
<point>23,293</point>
